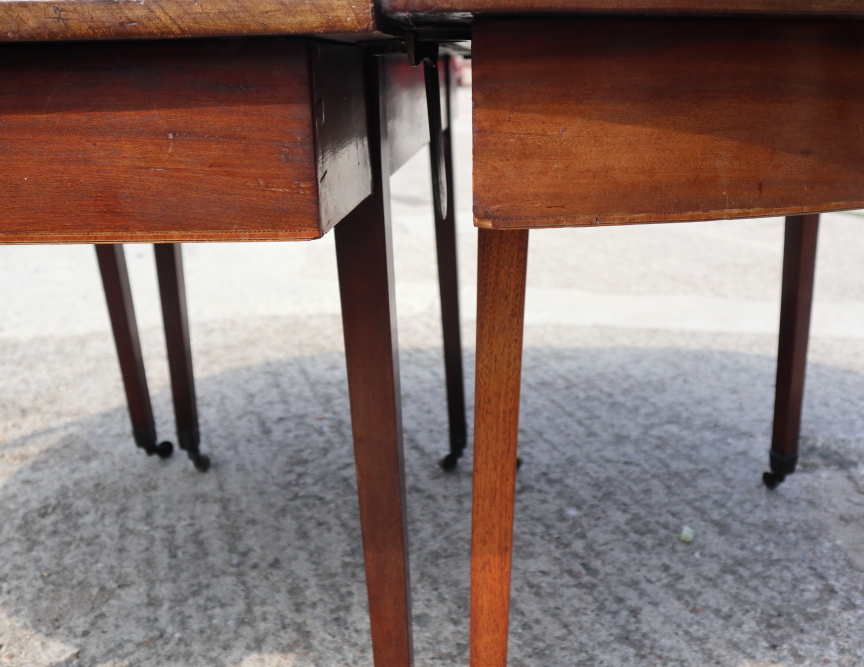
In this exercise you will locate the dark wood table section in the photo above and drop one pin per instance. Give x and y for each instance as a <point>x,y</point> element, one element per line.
<point>181,140</point>
<point>449,12</point>
<point>617,121</point>
<point>584,121</point>
<point>273,138</point>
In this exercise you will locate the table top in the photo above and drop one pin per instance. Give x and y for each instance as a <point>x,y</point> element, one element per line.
<point>443,9</point>
<point>33,20</point>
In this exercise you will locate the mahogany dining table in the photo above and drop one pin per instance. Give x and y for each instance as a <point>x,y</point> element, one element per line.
<point>612,112</point>
<point>586,113</point>
<point>173,121</point>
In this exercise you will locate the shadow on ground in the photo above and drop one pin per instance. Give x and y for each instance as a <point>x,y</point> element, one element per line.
<point>125,560</point>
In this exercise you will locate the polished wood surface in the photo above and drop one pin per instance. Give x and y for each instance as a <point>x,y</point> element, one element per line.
<point>172,295</point>
<point>460,9</point>
<point>799,269</point>
<point>341,128</point>
<point>501,267</point>
<point>364,255</point>
<point>121,312</point>
<point>28,20</point>
<point>608,121</point>
<point>179,141</point>
<point>407,120</point>
<point>118,294</point>
<point>448,280</point>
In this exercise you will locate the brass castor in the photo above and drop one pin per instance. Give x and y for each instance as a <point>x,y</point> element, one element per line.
<point>449,462</point>
<point>189,440</point>
<point>782,465</point>
<point>145,438</point>
<point>772,480</point>
<point>163,450</point>
<point>201,462</point>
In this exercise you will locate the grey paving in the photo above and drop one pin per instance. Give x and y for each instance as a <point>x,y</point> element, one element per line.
<point>650,412</point>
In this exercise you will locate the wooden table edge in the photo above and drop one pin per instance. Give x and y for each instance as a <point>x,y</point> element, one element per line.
<point>695,216</point>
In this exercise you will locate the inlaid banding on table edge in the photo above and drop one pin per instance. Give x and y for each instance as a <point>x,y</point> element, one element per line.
<point>694,216</point>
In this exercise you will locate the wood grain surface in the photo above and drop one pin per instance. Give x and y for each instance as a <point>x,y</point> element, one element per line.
<point>448,277</point>
<point>501,266</point>
<point>175,322</point>
<point>463,8</point>
<point>405,104</point>
<point>364,255</point>
<point>124,326</point>
<point>341,130</point>
<point>799,271</point>
<point>609,121</point>
<point>28,20</point>
<point>172,141</point>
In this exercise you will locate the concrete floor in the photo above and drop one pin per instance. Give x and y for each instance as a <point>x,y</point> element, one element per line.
<point>648,389</point>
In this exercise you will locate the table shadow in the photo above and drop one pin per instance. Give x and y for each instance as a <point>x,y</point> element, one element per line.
<point>130,559</point>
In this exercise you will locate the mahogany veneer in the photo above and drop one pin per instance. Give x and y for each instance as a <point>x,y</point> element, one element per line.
<point>28,20</point>
<point>405,102</point>
<point>448,10</point>
<point>608,121</point>
<point>180,141</point>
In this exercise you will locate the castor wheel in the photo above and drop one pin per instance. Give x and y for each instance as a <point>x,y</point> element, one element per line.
<point>772,480</point>
<point>145,438</point>
<point>189,440</point>
<point>164,449</point>
<point>201,462</point>
<point>449,462</point>
<point>782,465</point>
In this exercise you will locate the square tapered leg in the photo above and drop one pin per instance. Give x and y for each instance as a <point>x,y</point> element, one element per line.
<point>799,269</point>
<point>448,285</point>
<point>502,263</point>
<point>118,295</point>
<point>365,261</point>
<point>172,291</point>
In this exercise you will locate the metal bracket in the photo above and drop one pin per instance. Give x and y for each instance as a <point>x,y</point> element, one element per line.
<point>427,53</point>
